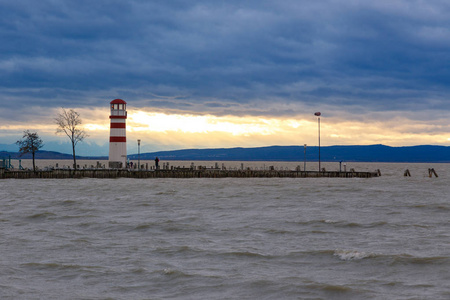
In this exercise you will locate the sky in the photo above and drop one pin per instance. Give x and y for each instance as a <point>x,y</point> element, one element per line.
<point>223,74</point>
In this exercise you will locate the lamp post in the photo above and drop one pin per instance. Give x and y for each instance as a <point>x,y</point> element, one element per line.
<point>318,122</point>
<point>139,154</point>
<point>304,159</point>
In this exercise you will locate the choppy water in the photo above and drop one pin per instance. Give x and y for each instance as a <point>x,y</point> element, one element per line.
<point>262,238</point>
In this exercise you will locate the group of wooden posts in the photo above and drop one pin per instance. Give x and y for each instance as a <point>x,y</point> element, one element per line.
<point>177,172</point>
<point>431,172</point>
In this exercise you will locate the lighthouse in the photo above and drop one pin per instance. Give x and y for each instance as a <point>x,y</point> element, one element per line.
<point>118,134</point>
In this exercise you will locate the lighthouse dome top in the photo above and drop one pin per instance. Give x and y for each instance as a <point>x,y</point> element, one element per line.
<point>118,101</point>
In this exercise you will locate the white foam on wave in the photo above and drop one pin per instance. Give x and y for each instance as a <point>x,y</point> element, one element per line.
<point>169,271</point>
<point>351,254</point>
<point>330,221</point>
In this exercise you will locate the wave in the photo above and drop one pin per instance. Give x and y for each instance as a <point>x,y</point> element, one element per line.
<point>143,227</point>
<point>177,250</point>
<point>435,207</point>
<point>277,231</point>
<point>391,259</point>
<point>68,202</point>
<point>341,254</point>
<point>330,287</point>
<point>81,241</point>
<point>342,223</point>
<point>168,192</point>
<point>168,226</point>
<point>139,270</point>
<point>57,266</point>
<point>186,250</point>
<point>43,215</point>
<point>247,254</point>
<point>410,259</point>
<point>174,273</point>
<point>347,255</point>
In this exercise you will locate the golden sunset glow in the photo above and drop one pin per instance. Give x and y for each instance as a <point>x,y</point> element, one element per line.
<point>169,131</point>
<point>189,130</point>
<point>159,122</point>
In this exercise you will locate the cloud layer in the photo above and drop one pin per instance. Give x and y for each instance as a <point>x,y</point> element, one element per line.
<point>241,58</point>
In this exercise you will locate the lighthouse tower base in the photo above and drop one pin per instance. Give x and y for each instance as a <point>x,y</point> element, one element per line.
<point>115,165</point>
<point>117,155</point>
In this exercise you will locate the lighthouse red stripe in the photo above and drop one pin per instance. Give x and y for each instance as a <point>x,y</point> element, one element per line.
<point>117,139</point>
<point>118,125</point>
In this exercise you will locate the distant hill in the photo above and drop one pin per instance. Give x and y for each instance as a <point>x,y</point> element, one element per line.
<point>370,153</point>
<point>42,154</point>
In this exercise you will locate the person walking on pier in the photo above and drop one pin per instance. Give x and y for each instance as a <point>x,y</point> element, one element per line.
<point>157,163</point>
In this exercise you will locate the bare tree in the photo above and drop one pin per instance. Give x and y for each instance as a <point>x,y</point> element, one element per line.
<point>30,143</point>
<point>69,122</point>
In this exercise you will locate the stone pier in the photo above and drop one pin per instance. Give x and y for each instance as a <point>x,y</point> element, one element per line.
<point>179,173</point>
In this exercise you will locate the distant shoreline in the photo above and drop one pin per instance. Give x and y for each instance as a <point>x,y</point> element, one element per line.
<point>369,153</point>
<point>239,160</point>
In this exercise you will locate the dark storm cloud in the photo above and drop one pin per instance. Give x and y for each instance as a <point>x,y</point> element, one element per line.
<point>386,55</point>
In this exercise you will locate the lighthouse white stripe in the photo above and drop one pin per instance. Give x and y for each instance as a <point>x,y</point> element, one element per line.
<point>118,120</point>
<point>118,132</point>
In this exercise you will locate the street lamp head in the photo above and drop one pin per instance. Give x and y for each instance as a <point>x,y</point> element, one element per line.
<point>139,142</point>
<point>317,114</point>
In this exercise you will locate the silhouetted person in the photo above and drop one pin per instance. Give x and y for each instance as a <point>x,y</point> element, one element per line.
<point>157,163</point>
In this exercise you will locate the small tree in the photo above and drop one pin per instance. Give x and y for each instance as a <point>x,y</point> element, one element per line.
<point>69,122</point>
<point>30,143</point>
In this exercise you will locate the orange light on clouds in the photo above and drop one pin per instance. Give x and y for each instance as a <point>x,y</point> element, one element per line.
<point>238,126</point>
<point>206,130</point>
<point>96,127</point>
<point>168,130</point>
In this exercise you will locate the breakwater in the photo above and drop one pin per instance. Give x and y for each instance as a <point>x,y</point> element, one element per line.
<point>179,173</point>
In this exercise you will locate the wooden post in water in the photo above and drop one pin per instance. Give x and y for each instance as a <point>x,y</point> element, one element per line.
<point>431,172</point>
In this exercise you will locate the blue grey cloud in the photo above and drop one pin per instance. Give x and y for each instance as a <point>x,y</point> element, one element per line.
<point>385,55</point>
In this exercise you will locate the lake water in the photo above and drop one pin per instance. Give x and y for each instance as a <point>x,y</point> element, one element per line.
<point>254,238</point>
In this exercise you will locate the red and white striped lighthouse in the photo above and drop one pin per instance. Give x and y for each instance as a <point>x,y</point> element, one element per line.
<point>118,134</point>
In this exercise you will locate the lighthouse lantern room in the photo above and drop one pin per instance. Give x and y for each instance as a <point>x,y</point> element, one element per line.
<point>118,134</point>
